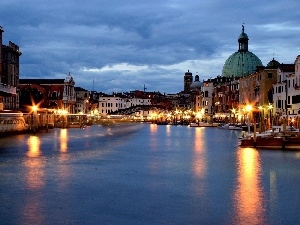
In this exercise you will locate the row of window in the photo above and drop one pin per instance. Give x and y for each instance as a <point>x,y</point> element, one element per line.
<point>109,105</point>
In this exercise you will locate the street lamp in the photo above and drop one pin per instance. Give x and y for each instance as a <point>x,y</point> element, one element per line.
<point>34,118</point>
<point>34,108</point>
<point>270,107</point>
<point>248,108</point>
<point>233,112</point>
<point>261,119</point>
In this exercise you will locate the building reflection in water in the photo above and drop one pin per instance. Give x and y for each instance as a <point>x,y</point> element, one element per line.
<point>248,196</point>
<point>199,163</point>
<point>273,194</point>
<point>35,180</point>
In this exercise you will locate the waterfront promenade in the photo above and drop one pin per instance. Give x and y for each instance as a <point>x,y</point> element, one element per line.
<point>145,174</point>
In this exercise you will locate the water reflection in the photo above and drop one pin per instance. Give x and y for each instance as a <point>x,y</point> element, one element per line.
<point>63,137</point>
<point>248,203</point>
<point>33,146</point>
<point>153,128</point>
<point>31,210</point>
<point>34,176</point>
<point>34,166</point>
<point>199,163</point>
<point>273,194</point>
<point>168,130</point>
<point>153,137</point>
<point>63,172</point>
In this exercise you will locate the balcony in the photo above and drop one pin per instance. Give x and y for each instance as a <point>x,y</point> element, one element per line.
<point>7,89</point>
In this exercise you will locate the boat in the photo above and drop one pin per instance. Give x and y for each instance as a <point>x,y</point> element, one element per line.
<point>281,141</point>
<point>203,124</point>
<point>162,122</point>
<point>230,126</point>
<point>12,121</point>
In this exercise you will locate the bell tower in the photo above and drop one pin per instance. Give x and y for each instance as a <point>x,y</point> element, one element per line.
<point>188,79</point>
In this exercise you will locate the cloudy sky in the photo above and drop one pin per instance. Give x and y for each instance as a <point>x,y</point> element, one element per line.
<point>118,45</point>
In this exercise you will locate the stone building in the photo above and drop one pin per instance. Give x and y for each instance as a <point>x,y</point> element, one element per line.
<point>284,90</point>
<point>82,100</point>
<point>48,93</point>
<point>257,88</point>
<point>225,97</point>
<point>9,74</point>
<point>196,94</point>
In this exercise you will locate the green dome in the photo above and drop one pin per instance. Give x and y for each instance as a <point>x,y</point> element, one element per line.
<point>240,64</point>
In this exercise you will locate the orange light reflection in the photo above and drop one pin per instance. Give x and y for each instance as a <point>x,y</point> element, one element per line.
<point>63,169</point>
<point>248,195</point>
<point>34,177</point>
<point>153,128</point>
<point>63,140</point>
<point>168,130</point>
<point>33,146</point>
<point>199,163</point>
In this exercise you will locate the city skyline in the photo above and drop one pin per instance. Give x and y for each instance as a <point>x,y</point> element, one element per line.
<point>115,46</point>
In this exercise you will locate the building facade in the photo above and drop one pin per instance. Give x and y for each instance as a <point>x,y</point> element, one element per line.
<point>9,74</point>
<point>48,93</point>
<point>283,89</point>
<point>82,100</point>
<point>112,103</point>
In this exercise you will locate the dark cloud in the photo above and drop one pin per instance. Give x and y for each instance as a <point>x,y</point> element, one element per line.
<point>122,45</point>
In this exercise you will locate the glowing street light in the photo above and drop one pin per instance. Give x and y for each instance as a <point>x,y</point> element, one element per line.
<point>248,108</point>
<point>270,107</point>
<point>35,108</point>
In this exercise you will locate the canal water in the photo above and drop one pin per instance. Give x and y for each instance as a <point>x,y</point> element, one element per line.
<point>145,174</point>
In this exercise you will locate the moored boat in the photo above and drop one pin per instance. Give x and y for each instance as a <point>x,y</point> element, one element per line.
<point>11,121</point>
<point>282,141</point>
<point>203,124</point>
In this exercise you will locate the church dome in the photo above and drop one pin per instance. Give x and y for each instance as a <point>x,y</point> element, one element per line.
<point>242,62</point>
<point>196,84</point>
<point>273,64</point>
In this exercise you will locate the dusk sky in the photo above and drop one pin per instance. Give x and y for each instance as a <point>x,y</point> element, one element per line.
<point>122,45</point>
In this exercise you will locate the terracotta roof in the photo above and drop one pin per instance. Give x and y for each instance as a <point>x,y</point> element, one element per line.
<point>287,67</point>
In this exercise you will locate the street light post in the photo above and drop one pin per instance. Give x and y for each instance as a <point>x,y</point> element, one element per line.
<point>270,107</point>
<point>249,109</point>
<point>233,112</point>
<point>261,121</point>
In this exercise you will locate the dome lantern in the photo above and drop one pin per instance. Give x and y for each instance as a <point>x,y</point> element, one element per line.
<point>243,40</point>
